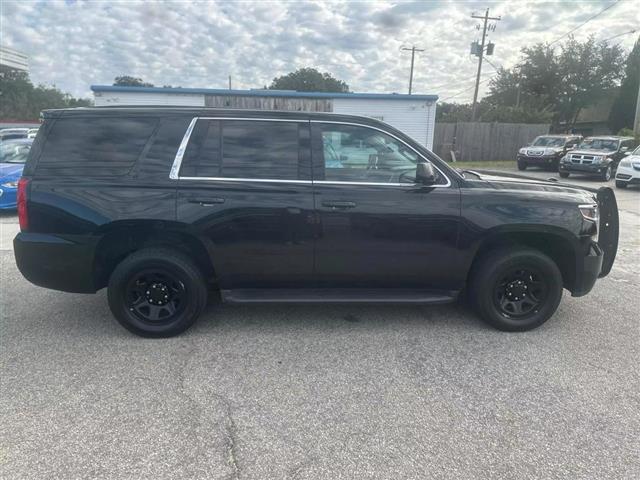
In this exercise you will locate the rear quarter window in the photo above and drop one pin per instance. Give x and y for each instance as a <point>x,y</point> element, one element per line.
<point>106,146</point>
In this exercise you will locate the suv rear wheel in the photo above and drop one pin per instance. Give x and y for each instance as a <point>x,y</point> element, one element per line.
<point>515,289</point>
<point>157,292</point>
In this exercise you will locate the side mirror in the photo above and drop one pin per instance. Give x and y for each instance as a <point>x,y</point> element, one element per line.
<point>627,153</point>
<point>624,149</point>
<point>426,174</point>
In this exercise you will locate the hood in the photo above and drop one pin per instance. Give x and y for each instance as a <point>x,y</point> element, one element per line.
<point>592,152</point>
<point>10,170</point>
<point>509,181</point>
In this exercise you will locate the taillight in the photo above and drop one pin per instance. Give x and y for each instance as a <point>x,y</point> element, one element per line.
<point>23,214</point>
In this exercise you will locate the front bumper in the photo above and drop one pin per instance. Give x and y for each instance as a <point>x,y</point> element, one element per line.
<point>542,160</point>
<point>8,198</point>
<point>628,174</point>
<point>593,169</point>
<point>598,258</point>
<point>54,262</point>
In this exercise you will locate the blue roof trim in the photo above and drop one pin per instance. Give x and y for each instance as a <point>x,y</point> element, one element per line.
<point>263,93</point>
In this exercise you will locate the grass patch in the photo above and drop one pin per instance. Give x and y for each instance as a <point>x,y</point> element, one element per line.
<point>508,164</point>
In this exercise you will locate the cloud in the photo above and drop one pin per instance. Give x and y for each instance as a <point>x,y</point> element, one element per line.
<point>73,44</point>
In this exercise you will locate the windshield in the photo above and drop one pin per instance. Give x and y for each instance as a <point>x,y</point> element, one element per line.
<point>599,144</point>
<point>548,142</point>
<point>636,151</point>
<point>14,152</point>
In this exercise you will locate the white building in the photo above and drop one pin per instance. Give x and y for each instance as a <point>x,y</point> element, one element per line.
<point>11,59</point>
<point>414,115</point>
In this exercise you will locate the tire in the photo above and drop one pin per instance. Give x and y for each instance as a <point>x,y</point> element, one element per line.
<point>563,174</point>
<point>606,175</point>
<point>494,290</point>
<point>157,292</point>
<point>621,184</point>
<point>522,166</point>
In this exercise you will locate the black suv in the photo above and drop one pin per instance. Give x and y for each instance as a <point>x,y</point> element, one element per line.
<point>167,206</point>
<point>596,156</point>
<point>546,151</point>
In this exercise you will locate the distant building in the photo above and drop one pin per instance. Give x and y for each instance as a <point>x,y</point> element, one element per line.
<point>12,60</point>
<point>412,114</point>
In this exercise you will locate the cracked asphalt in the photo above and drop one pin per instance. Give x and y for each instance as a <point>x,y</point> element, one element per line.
<point>322,392</point>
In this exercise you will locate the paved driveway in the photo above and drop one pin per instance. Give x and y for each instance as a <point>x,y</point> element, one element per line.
<point>322,392</point>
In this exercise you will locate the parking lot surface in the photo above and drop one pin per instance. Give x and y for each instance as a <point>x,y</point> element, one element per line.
<point>323,392</point>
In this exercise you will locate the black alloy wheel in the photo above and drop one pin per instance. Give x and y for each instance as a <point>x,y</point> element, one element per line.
<point>157,292</point>
<point>519,293</point>
<point>156,296</point>
<point>515,288</point>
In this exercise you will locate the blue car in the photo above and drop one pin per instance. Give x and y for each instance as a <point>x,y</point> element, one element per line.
<point>13,155</point>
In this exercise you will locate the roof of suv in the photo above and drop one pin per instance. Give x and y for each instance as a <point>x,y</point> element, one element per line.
<point>163,110</point>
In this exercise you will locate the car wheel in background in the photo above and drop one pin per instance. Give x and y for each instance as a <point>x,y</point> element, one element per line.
<point>157,292</point>
<point>515,289</point>
<point>606,175</point>
<point>621,184</point>
<point>563,174</point>
<point>522,165</point>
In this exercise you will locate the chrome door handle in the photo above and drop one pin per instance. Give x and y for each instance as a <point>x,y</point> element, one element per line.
<point>339,205</point>
<point>207,202</point>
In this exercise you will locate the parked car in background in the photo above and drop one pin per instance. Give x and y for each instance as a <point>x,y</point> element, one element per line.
<point>13,133</point>
<point>546,151</point>
<point>13,156</point>
<point>596,156</point>
<point>628,172</point>
<point>163,205</point>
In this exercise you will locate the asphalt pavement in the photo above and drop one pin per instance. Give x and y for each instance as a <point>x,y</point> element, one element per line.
<point>322,392</point>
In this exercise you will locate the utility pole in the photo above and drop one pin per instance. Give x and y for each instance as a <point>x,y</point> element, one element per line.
<point>229,82</point>
<point>480,54</point>
<point>413,54</point>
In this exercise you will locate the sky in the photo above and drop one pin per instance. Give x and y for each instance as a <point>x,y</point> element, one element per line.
<point>74,44</point>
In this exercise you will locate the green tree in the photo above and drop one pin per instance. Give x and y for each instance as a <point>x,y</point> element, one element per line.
<point>21,100</point>
<point>563,80</point>
<point>309,80</point>
<point>624,106</point>
<point>128,81</point>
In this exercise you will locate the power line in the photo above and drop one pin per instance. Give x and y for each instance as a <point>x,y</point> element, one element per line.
<point>466,89</point>
<point>585,22</point>
<point>619,35</point>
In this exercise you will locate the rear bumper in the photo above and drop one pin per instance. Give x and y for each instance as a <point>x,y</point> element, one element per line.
<point>53,262</point>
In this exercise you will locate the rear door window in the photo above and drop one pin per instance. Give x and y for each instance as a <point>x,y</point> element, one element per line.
<point>107,146</point>
<point>267,150</point>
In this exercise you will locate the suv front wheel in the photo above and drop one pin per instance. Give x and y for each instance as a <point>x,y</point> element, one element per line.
<point>515,289</point>
<point>157,292</point>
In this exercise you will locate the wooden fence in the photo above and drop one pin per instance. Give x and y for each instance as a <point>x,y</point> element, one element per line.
<point>476,142</point>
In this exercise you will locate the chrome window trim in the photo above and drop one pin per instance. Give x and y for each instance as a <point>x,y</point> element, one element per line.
<point>257,180</point>
<point>174,174</point>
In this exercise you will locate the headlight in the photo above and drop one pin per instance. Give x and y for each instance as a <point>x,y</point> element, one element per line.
<point>625,163</point>
<point>13,184</point>
<point>597,159</point>
<point>550,151</point>
<point>522,151</point>
<point>591,219</point>
<point>565,159</point>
